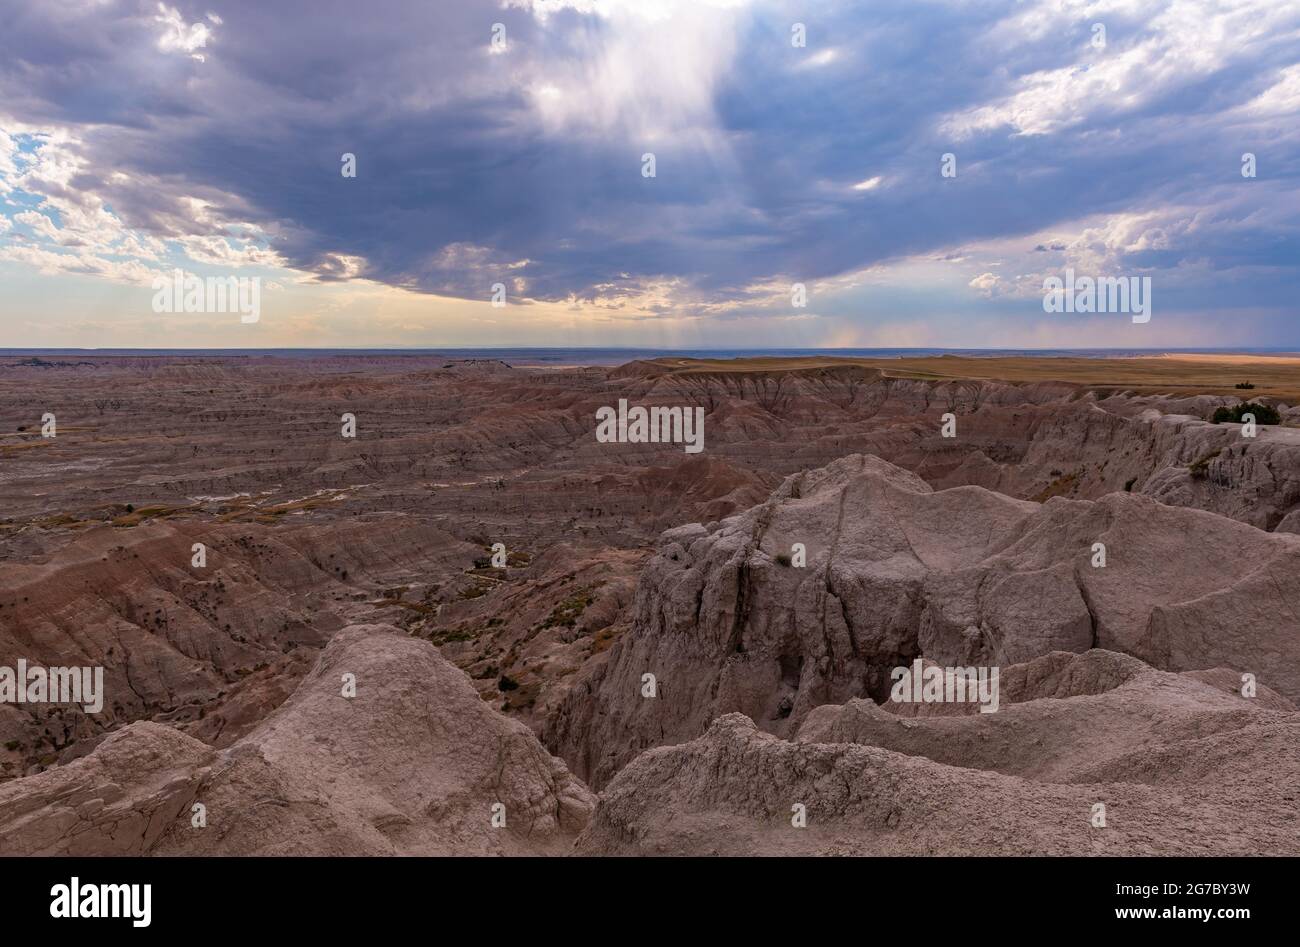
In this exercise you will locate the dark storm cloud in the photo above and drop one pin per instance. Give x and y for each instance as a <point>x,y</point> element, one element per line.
<point>463,176</point>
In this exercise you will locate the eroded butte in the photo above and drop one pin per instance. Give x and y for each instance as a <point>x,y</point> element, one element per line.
<point>498,584</point>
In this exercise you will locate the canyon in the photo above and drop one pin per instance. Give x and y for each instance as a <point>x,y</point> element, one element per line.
<point>503,709</point>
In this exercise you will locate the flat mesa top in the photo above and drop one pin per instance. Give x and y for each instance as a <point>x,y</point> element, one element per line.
<point>1273,376</point>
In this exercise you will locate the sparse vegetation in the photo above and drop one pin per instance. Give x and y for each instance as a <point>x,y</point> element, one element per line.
<point>603,639</point>
<point>1058,487</point>
<point>1263,413</point>
<point>449,635</point>
<point>568,612</point>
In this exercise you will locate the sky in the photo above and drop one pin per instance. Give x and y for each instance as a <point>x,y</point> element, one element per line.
<point>918,167</point>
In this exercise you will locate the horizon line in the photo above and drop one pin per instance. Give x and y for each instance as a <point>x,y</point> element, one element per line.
<point>628,348</point>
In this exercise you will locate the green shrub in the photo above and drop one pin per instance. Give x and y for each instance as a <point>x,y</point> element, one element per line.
<point>568,612</point>
<point>1262,412</point>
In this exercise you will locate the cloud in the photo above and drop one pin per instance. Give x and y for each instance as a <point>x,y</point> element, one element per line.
<point>8,155</point>
<point>40,223</point>
<point>52,262</point>
<point>179,36</point>
<point>986,284</point>
<point>774,164</point>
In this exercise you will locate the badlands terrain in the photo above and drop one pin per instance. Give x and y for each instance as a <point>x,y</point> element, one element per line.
<point>435,637</point>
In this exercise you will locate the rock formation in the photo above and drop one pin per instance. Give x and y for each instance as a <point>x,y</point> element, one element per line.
<point>707,638</point>
<point>412,764</point>
<point>727,621</point>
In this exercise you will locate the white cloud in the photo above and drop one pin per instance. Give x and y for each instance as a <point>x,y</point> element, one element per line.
<point>649,70</point>
<point>1281,98</point>
<point>79,264</point>
<point>823,57</point>
<point>1183,42</point>
<point>986,284</point>
<point>70,191</point>
<point>179,36</point>
<point>40,223</point>
<point>342,266</point>
<point>8,154</point>
<point>222,251</point>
